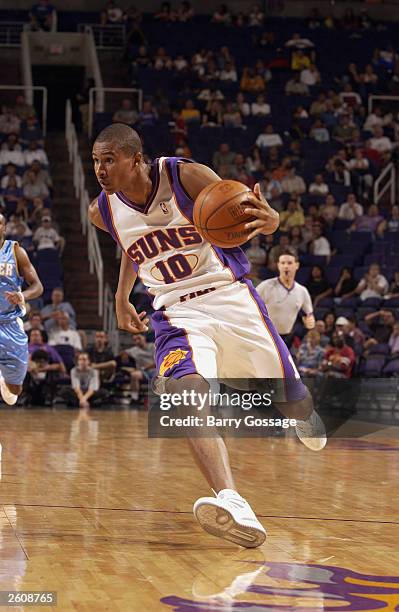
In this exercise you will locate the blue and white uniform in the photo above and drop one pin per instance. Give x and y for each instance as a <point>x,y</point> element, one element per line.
<point>209,319</point>
<point>13,339</point>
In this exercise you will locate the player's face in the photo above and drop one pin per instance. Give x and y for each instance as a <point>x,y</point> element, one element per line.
<point>287,266</point>
<point>113,168</point>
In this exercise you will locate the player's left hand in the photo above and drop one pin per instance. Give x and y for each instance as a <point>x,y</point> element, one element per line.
<point>15,297</point>
<point>267,219</point>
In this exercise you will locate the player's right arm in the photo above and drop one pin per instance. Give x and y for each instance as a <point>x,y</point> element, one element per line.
<point>127,316</point>
<point>95,215</point>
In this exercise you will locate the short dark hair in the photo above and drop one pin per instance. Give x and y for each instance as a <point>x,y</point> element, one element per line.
<point>123,136</point>
<point>289,251</point>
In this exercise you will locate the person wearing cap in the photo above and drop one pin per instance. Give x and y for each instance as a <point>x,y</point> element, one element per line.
<point>341,326</point>
<point>46,237</point>
<point>284,297</point>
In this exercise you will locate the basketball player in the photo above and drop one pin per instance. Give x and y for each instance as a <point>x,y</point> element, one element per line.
<point>284,297</point>
<point>209,322</point>
<point>15,267</point>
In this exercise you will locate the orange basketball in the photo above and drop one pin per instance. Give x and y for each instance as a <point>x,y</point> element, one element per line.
<point>219,213</point>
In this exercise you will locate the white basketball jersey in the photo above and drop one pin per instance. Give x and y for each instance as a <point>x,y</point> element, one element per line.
<point>173,261</point>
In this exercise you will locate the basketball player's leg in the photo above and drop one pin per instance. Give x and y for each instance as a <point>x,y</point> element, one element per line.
<point>13,360</point>
<point>185,359</point>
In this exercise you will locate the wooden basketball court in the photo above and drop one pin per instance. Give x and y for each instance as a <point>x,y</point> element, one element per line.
<point>93,509</point>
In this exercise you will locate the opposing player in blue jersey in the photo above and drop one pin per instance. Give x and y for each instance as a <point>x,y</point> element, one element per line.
<point>15,268</point>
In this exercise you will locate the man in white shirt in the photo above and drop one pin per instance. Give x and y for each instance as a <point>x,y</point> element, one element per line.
<point>63,334</point>
<point>319,245</point>
<point>379,142</point>
<point>269,138</point>
<point>350,209</point>
<point>34,153</point>
<point>260,107</point>
<point>229,73</point>
<point>11,171</point>
<point>46,237</point>
<point>292,183</point>
<point>284,297</point>
<point>319,187</point>
<point>310,76</point>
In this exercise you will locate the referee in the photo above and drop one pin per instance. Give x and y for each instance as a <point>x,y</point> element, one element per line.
<point>284,298</point>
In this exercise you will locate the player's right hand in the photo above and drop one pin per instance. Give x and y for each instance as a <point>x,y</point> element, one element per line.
<point>129,319</point>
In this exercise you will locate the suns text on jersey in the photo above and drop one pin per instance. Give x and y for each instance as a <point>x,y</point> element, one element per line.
<point>161,241</point>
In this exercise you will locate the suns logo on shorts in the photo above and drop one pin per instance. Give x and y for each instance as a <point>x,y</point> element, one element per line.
<point>172,359</point>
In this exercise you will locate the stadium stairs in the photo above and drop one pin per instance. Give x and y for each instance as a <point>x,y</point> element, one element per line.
<point>80,286</point>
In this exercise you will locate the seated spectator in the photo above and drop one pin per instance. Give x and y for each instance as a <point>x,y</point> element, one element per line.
<point>9,121</point>
<point>300,113</point>
<point>46,237</point>
<point>329,116</point>
<point>380,324</point>
<point>373,284</point>
<point>254,162</point>
<point>223,157</point>
<point>185,12</point>
<point>369,222</point>
<point>319,132</point>
<point>262,69</point>
<point>329,210</point>
<point>294,87</point>
<point>359,167</point>
<point>319,105</point>
<point>298,42</point>
<point>339,360</point>
<point>38,210</point>
<point>380,143</point>
<point>229,73</point>
<point>180,64</point>
<point>341,175</point>
<point>260,107</point>
<point>282,169</point>
<point>114,12</point>
<point>269,138</point>
<point>62,333</point>
<point>34,187</point>
<point>231,117</point>
<point>319,244</point>
<point>374,119</point>
<point>22,109</point>
<point>353,334</point>
<point>318,286</point>
<point>31,132</point>
<point>11,227</point>
<point>256,255</point>
<point>329,323</point>
<point>190,114</point>
<point>320,326</point>
<point>11,152</point>
<point>299,61</point>
<point>394,286</point>
<point>40,382</point>
<point>23,240</point>
<point>310,76</point>
<point>33,153</point>
<point>310,354</point>
<point>50,312</point>
<point>276,251</point>
<point>100,353</point>
<point>349,97</point>
<point>241,105</point>
<point>307,230</point>
<point>42,175</point>
<point>296,240</point>
<point>343,132</point>
<point>42,14</point>
<point>292,183</point>
<point>291,217</point>
<point>271,190</point>
<point>143,354</point>
<point>251,82</point>
<point>162,61</point>
<point>222,15</point>
<point>148,116</point>
<point>165,13</point>
<point>346,285</point>
<point>35,322</point>
<point>319,187</point>
<point>12,197</point>
<point>37,342</point>
<point>126,113</point>
<point>392,223</point>
<point>350,209</point>
<point>85,388</point>
<point>394,340</point>
<point>10,172</point>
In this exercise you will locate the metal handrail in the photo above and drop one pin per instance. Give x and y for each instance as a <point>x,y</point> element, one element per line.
<point>93,245</point>
<point>30,89</point>
<point>100,100</point>
<point>104,34</point>
<point>373,97</point>
<point>390,171</point>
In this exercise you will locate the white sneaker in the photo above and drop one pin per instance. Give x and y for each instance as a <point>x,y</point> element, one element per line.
<point>8,397</point>
<point>229,516</point>
<point>312,432</point>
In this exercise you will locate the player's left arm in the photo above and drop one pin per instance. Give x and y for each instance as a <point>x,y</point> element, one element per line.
<point>194,177</point>
<point>308,319</point>
<point>29,274</point>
